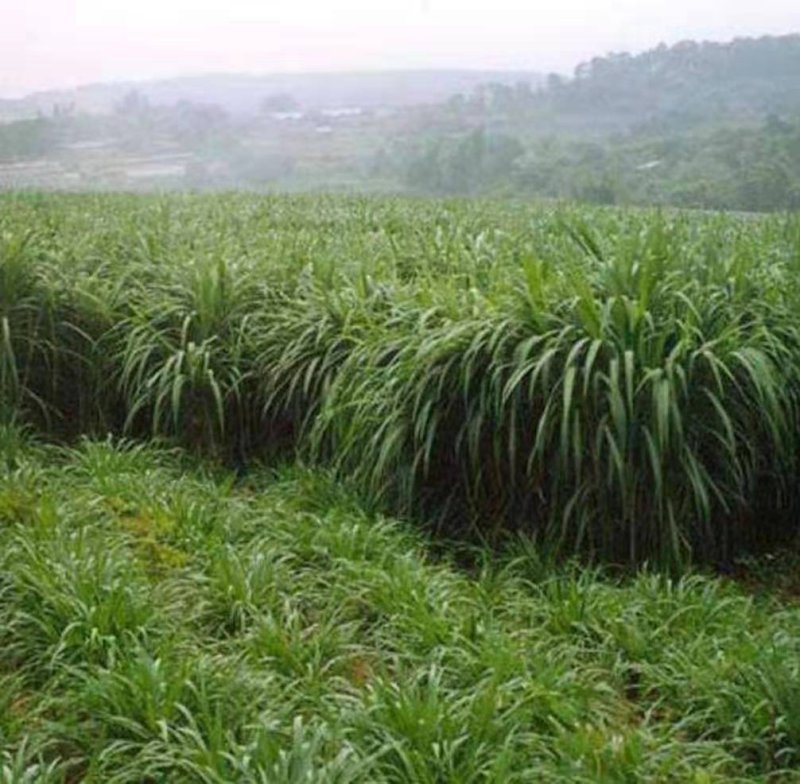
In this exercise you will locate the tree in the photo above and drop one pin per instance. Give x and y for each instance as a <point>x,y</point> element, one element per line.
<point>133,103</point>
<point>279,102</point>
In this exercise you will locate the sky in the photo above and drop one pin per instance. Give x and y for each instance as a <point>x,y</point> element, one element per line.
<point>63,43</point>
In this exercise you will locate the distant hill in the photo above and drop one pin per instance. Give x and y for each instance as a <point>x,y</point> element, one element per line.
<point>698,124</point>
<point>684,85</point>
<point>243,94</point>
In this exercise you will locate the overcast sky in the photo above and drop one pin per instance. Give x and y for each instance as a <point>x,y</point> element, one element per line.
<point>61,43</point>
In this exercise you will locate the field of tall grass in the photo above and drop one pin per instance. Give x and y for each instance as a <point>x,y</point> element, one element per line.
<point>620,384</point>
<point>325,489</point>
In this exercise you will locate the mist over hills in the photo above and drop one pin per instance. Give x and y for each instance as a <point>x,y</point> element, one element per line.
<point>243,94</point>
<point>698,124</point>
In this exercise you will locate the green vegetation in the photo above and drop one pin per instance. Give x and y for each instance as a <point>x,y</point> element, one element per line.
<point>27,138</point>
<point>745,167</point>
<point>326,489</point>
<point>694,125</point>
<point>622,385</point>
<point>199,577</point>
<point>161,621</point>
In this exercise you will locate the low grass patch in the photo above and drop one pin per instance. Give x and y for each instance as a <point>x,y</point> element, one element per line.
<point>161,620</point>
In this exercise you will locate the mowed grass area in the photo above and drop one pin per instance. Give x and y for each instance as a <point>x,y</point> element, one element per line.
<point>162,620</point>
<point>620,384</point>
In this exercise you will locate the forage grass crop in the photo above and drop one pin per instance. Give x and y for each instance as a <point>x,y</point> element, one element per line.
<point>181,363</point>
<point>623,385</point>
<point>633,403</point>
<point>303,638</point>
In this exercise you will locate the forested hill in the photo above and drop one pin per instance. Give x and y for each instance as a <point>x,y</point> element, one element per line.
<point>711,125</point>
<point>687,83</point>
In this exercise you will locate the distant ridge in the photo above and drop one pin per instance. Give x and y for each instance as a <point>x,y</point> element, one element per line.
<point>242,94</point>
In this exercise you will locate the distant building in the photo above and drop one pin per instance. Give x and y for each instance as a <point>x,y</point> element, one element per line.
<point>344,111</point>
<point>286,116</point>
<point>649,165</point>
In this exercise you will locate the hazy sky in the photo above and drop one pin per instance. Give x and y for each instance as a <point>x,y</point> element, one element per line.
<point>58,43</point>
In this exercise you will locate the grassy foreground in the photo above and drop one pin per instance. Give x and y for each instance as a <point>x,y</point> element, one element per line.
<point>161,621</point>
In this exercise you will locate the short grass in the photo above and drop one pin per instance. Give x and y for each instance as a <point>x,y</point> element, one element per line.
<point>165,621</point>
